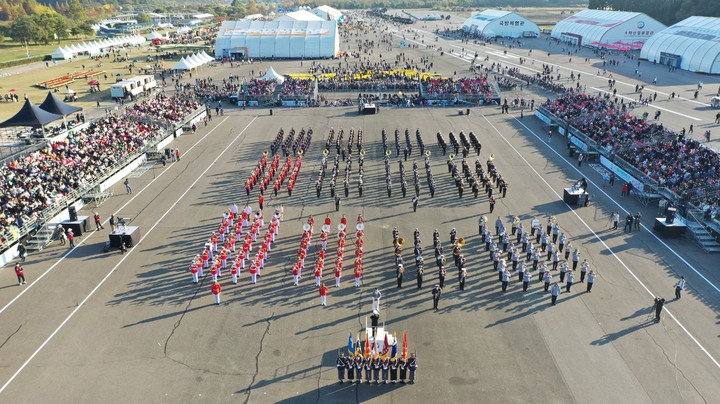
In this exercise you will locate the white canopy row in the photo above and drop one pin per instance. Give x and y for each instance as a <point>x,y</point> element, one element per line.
<point>94,47</point>
<point>193,61</point>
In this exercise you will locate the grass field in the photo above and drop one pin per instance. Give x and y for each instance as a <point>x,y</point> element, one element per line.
<point>24,78</point>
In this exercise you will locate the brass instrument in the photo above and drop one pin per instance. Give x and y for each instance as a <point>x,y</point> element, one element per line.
<point>300,152</point>
<point>400,242</point>
<point>451,156</point>
<point>388,152</point>
<point>460,242</point>
<point>265,153</point>
<point>326,152</point>
<point>492,157</point>
<point>362,152</point>
<point>427,153</point>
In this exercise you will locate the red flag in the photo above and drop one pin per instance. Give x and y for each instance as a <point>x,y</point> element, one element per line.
<point>373,349</point>
<point>405,346</point>
<point>386,347</point>
<point>367,346</point>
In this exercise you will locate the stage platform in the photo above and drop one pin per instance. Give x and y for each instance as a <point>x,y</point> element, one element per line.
<point>79,226</point>
<point>130,235</point>
<point>674,230</point>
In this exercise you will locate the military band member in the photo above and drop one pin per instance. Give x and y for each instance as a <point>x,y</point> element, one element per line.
<point>462,275</point>
<point>400,271</point>
<point>341,365</point>
<point>526,279</point>
<point>393,370</point>
<point>420,272</point>
<point>412,366</point>
<point>441,275</point>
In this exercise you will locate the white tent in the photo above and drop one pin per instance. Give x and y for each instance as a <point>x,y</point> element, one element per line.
<point>328,13</point>
<point>61,53</point>
<point>196,60</point>
<point>301,15</point>
<point>154,35</point>
<point>183,65</point>
<point>692,44</point>
<point>271,74</point>
<point>207,57</point>
<point>608,29</point>
<point>280,39</point>
<point>499,23</point>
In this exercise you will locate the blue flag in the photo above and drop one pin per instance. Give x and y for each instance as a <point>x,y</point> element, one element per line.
<point>394,349</point>
<point>351,346</point>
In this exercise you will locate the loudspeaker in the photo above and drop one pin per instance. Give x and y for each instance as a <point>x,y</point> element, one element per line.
<point>670,215</point>
<point>73,214</point>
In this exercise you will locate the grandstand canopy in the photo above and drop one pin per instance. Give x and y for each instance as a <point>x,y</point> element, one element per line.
<point>498,23</point>
<point>53,105</point>
<point>30,115</point>
<point>238,40</point>
<point>300,15</point>
<point>691,44</point>
<point>620,30</point>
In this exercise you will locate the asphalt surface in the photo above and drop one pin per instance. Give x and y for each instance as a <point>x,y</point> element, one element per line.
<point>92,326</point>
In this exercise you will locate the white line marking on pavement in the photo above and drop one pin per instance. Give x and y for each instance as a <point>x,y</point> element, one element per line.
<point>135,195</point>
<point>649,105</point>
<point>82,303</point>
<point>702,348</point>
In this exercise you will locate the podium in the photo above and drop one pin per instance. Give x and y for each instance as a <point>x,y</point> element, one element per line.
<point>676,228</point>
<point>130,235</point>
<point>573,195</point>
<point>79,226</point>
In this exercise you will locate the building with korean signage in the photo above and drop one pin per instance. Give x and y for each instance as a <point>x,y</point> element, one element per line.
<point>618,30</point>
<point>498,23</point>
<point>692,44</point>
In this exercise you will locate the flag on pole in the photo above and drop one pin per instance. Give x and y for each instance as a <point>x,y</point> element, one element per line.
<point>373,349</point>
<point>358,346</point>
<point>386,347</point>
<point>404,346</point>
<point>394,346</point>
<point>367,346</point>
<point>351,345</point>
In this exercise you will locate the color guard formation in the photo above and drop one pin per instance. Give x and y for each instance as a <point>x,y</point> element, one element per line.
<point>377,362</point>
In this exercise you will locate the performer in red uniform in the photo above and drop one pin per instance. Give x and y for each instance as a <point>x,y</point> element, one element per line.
<point>323,294</point>
<point>216,289</point>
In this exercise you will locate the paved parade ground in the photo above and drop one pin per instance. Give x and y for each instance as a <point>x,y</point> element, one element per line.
<point>105,327</point>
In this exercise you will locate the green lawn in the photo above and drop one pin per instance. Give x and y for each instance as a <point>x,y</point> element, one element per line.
<point>12,50</point>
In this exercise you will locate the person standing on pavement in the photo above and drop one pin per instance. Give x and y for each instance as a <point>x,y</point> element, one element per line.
<point>570,278</point>
<point>590,280</point>
<point>437,293</point>
<point>216,289</point>
<point>323,294</point>
<point>71,238</point>
<point>679,286</point>
<point>98,225</point>
<point>554,293</point>
<point>20,274</point>
<point>128,188</point>
<point>376,300</point>
<point>659,303</point>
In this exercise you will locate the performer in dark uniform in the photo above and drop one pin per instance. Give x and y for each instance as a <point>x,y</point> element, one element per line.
<point>376,369</point>
<point>368,369</point>
<point>358,368</point>
<point>400,272</point>
<point>393,370</point>
<point>350,368</point>
<point>412,365</point>
<point>420,272</point>
<point>385,370</point>
<point>341,366</point>
<point>403,370</point>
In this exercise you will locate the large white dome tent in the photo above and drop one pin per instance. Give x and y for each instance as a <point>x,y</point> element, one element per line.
<point>277,39</point>
<point>692,44</point>
<point>499,23</point>
<point>620,30</point>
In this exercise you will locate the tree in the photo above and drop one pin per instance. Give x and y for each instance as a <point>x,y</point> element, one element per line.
<point>143,18</point>
<point>76,12</point>
<point>24,29</point>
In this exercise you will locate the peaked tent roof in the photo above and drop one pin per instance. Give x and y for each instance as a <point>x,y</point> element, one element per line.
<point>61,53</point>
<point>271,74</point>
<point>183,65</point>
<point>53,105</point>
<point>30,115</point>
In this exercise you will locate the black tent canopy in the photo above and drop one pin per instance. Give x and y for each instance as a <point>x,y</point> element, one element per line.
<point>30,115</point>
<point>53,105</point>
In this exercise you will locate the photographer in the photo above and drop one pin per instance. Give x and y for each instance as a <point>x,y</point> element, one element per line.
<point>659,303</point>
